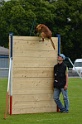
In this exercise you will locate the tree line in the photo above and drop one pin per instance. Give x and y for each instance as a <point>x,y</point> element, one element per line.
<point>63,17</point>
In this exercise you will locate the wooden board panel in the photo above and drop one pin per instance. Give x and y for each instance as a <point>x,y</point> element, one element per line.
<point>23,39</point>
<point>21,83</point>
<point>35,104</point>
<point>34,107</point>
<point>32,91</point>
<point>32,75</point>
<point>32,97</point>
<point>33,72</point>
<point>34,62</point>
<point>25,45</point>
<point>36,53</point>
<point>33,110</point>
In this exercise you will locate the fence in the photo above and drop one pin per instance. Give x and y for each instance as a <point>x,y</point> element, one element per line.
<point>4,66</point>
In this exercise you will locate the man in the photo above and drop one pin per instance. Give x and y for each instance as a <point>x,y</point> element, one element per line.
<point>61,84</point>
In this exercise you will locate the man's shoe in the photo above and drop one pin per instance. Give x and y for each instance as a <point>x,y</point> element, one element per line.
<point>64,111</point>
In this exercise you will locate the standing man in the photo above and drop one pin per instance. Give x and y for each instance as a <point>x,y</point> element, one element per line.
<point>61,84</point>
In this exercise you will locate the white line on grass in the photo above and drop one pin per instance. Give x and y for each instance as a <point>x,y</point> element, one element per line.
<point>62,118</point>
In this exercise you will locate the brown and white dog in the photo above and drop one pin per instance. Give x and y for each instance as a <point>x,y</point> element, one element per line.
<point>44,32</point>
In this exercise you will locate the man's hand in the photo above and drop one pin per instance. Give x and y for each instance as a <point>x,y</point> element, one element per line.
<point>65,87</point>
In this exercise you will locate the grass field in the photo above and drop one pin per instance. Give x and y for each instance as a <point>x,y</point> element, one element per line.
<point>73,117</point>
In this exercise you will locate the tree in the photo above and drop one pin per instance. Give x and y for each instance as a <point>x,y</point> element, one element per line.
<point>61,16</point>
<point>69,24</point>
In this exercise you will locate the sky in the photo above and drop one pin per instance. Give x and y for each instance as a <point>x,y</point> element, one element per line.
<point>6,0</point>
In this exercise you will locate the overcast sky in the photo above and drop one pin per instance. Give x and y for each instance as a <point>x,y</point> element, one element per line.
<point>6,0</point>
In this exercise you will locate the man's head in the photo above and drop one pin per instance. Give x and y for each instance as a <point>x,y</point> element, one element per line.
<point>61,57</point>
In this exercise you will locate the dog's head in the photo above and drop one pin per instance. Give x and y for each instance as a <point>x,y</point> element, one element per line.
<point>39,27</point>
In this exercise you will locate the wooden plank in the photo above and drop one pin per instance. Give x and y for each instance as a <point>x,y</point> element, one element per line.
<point>20,45</point>
<point>29,38</point>
<point>41,46</point>
<point>19,83</point>
<point>32,91</point>
<point>36,53</point>
<point>33,72</point>
<point>25,38</point>
<point>34,59</point>
<point>32,97</point>
<point>33,62</point>
<point>34,107</point>
<point>33,110</point>
<point>35,104</point>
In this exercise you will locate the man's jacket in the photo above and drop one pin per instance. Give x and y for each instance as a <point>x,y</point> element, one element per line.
<point>59,75</point>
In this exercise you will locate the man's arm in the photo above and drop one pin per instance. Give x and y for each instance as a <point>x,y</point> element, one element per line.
<point>66,85</point>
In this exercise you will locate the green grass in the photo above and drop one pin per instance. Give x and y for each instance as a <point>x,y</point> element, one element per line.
<point>73,117</point>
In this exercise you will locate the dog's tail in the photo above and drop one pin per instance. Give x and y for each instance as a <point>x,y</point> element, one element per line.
<point>52,43</point>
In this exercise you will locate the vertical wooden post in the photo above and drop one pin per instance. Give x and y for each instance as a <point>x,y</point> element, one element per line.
<point>59,43</point>
<point>11,60</point>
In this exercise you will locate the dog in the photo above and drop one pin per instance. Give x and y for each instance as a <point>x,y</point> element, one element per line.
<point>44,32</point>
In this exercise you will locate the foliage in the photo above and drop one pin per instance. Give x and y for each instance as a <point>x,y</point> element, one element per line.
<point>61,16</point>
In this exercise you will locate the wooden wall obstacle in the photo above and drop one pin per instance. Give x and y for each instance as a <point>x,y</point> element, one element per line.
<point>32,75</point>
